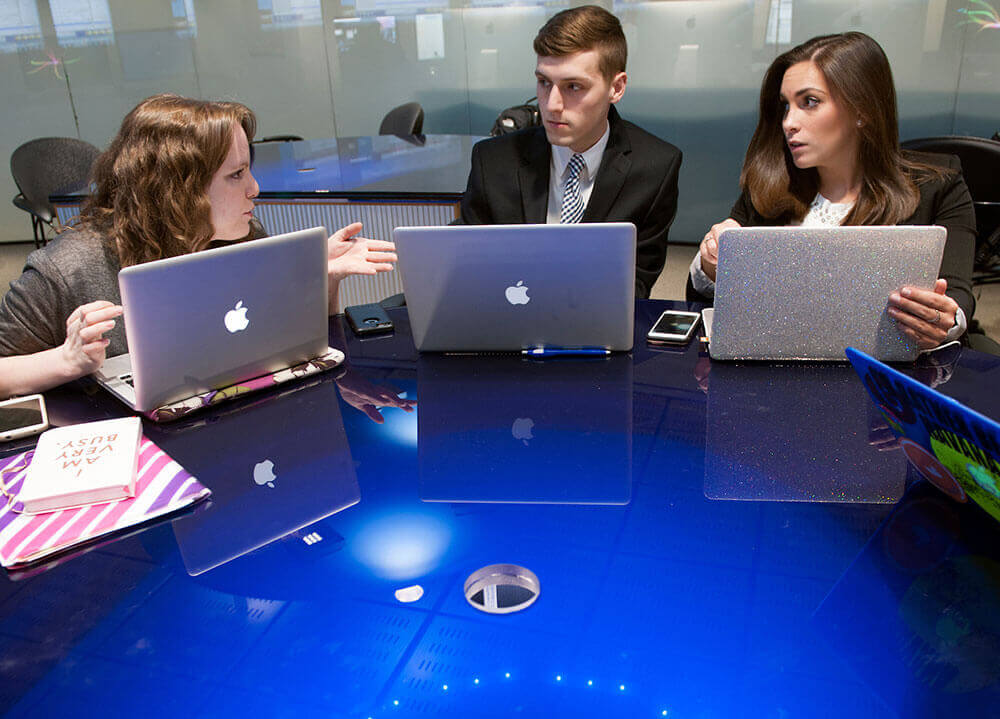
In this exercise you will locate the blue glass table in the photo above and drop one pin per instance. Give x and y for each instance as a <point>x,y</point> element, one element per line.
<point>709,541</point>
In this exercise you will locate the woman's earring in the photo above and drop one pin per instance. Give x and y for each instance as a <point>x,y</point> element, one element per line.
<point>860,123</point>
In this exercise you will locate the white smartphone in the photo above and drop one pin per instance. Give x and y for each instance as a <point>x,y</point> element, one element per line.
<point>675,327</point>
<point>22,417</point>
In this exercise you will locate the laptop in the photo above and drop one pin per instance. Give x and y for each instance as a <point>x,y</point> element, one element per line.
<point>796,293</point>
<point>513,430</point>
<point>212,319</point>
<point>274,469</point>
<point>514,287</point>
<point>953,447</point>
<point>769,439</point>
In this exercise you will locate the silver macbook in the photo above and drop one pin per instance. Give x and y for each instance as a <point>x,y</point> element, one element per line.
<point>514,287</point>
<point>807,293</point>
<point>211,319</point>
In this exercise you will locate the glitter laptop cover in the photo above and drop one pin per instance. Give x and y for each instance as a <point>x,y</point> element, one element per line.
<point>794,293</point>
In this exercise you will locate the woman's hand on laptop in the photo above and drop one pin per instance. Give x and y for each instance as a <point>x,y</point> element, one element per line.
<point>82,353</point>
<point>925,316</point>
<point>84,349</point>
<point>709,249</point>
<point>350,254</point>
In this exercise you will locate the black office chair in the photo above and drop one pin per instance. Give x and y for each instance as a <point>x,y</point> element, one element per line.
<point>981,168</point>
<point>49,166</point>
<point>278,138</point>
<point>406,119</point>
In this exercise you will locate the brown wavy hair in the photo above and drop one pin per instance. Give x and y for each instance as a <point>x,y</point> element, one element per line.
<point>585,28</point>
<point>858,74</point>
<point>150,198</point>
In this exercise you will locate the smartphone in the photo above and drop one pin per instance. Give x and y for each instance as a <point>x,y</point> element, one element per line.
<point>22,417</point>
<point>368,319</point>
<point>674,327</point>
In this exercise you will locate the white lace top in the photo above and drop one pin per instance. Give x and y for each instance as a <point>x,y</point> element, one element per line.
<point>823,213</point>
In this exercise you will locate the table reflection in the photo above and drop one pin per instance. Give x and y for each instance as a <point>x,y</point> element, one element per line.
<point>661,599</point>
<point>915,614</point>
<point>513,430</point>
<point>273,469</point>
<point>795,433</point>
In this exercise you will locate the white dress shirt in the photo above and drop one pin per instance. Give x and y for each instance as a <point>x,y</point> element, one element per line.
<point>561,156</point>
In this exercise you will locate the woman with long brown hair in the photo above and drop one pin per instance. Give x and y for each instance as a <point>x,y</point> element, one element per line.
<point>826,152</point>
<point>176,179</point>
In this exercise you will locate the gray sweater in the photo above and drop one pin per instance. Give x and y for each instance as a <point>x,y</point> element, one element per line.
<point>77,267</point>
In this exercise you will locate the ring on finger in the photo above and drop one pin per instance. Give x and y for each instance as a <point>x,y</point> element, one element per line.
<point>937,317</point>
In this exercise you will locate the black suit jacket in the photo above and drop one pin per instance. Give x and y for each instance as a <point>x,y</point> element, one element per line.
<point>636,182</point>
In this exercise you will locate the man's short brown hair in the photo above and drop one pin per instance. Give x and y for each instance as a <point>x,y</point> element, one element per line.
<point>585,28</point>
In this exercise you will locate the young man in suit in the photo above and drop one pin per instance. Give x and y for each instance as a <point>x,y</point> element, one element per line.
<point>585,164</point>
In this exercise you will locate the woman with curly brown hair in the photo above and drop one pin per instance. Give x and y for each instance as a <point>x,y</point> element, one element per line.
<point>826,152</point>
<point>176,179</point>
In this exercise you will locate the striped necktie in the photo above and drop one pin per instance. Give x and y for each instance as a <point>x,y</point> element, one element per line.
<point>572,204</point>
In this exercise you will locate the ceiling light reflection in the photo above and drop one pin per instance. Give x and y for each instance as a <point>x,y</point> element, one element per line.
<point>402,545</point>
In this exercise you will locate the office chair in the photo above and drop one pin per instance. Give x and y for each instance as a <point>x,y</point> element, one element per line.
<point>406,119</point>
<point>49,166</point>
<point>278,138</point>
<point>980,167</point>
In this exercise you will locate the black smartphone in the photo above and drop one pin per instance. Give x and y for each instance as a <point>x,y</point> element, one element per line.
<point>368,319</point>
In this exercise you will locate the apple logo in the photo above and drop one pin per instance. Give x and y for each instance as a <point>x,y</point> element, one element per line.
<point>521,429</point>
<point>236,319</point>
<point>518,294</point>
<point>263,473</point>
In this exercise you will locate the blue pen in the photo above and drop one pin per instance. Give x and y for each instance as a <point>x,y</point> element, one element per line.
<point>566,352</point>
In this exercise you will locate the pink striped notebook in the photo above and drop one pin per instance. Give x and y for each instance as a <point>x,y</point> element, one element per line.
<point>163,486</point>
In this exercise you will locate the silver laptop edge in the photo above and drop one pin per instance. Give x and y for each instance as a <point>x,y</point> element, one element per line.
<point>211,319</point>
<point>511,287</point>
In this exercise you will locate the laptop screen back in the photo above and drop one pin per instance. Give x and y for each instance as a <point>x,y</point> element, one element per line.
<point>211,319</point>
<point>511,287</point>
<point>807,293</point>
<point>952,446</point>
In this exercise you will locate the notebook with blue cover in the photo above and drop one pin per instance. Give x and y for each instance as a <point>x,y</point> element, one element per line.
<point>952,446</point>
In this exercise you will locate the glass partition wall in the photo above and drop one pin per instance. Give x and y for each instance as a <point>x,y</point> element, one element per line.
<point>323,68</point>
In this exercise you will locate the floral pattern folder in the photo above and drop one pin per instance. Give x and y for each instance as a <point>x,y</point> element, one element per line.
<point>182,408</point>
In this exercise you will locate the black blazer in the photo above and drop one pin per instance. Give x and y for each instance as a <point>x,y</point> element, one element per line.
<point>636,182</point>
<point>943,201</point>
